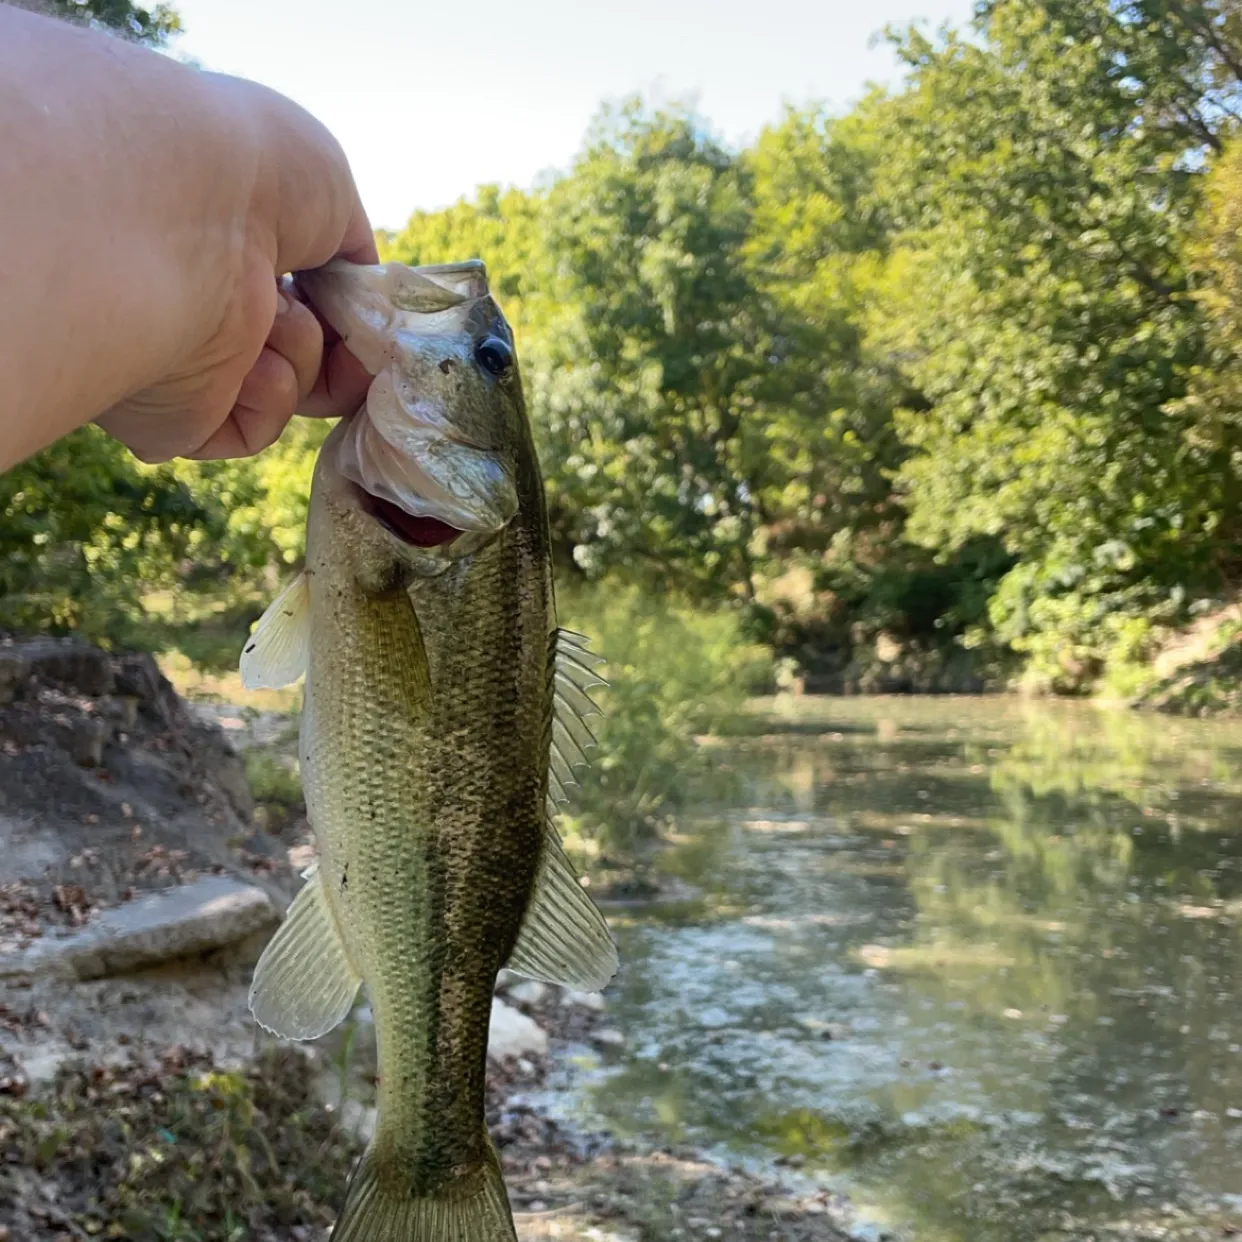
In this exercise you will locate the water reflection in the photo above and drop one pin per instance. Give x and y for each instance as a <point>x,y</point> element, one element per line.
<point>978,959</point>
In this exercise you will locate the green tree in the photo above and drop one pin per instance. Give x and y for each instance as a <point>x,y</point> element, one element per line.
<point>85,530</point>
<point>154,25</point>
<point>650,379</point>
<point>1041,297</point>
<point>504,228</point>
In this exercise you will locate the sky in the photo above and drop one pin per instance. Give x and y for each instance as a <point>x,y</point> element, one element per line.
<point>431,98</point>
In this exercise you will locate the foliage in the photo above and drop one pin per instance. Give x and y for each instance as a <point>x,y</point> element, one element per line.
<point>143,23</point>
<point>272,781</point>
<point>182,1151</point>
<point>673,672</point>
<point>83,523</point>
<point>1045,302</point>
<point>654,443</point>
<point>957,369</point>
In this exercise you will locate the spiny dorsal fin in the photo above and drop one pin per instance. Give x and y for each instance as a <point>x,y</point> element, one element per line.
<point>278,651</point>
<point>564,938</point>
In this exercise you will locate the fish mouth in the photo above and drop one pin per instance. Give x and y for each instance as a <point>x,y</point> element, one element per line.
<point>424,473</point>
<point>425,479</point>
<point>417,532</point>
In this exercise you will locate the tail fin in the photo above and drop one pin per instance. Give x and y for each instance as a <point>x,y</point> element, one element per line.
<point>380,1207</point>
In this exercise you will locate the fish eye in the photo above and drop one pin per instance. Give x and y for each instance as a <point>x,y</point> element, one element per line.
<point>493,355</point>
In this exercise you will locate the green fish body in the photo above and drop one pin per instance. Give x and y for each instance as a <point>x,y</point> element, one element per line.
<point>434,743</point>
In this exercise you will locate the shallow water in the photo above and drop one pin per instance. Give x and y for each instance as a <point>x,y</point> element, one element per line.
<point>974,962</point>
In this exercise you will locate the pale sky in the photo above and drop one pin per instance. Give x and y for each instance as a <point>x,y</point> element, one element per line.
<point>432,97</point>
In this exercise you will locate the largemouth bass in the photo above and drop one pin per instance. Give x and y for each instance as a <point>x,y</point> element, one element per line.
<point>442,717</point>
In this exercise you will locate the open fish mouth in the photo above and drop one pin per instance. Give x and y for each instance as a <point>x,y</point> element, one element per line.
<point>418,532</point>
<point>425,474</point>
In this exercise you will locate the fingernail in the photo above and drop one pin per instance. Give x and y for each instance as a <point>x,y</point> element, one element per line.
<point>282,304</point>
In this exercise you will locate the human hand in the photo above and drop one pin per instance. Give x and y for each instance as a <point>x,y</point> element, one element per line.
<point>249,353</point>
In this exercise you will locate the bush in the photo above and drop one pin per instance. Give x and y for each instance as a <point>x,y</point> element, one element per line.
<point>674,674</point>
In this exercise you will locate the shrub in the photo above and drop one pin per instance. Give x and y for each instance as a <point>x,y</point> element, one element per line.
<point>674,674</point>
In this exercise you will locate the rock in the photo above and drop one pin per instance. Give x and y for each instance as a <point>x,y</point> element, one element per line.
<point>513,1034</point>
<point>64,662</point>
<point>887,649</point>
<point>138,677</point>
<point>14,669</point>
<point>24,845</point>
<point>825,1030</point>
<point>359,1118</point>
<point>528,992</point>
<point>85,740</point>
<point>121,710</point>
<point>215,757</point>
<point>206,914</point>
<point>608,1037</point>
<point>584,1000</point>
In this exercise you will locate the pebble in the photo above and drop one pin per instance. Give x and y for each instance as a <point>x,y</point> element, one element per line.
<point>608,1037</point>
<point>584,1000</point>
<point>513,1034</point>
<point>528,992</point>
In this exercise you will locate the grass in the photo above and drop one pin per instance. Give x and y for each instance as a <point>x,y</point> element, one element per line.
<point>273,780</point>
<point>674,673</point>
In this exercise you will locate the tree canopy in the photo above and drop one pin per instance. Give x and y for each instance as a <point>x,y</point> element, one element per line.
<point>959,365</point>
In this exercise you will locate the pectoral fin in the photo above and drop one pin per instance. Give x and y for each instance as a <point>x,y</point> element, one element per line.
<point>304,984</point>
<point>564,938</point>
<point>278,652</point>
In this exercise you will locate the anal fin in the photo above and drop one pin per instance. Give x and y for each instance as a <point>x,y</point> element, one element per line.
<point>304,984</point>
<point>564,938</point>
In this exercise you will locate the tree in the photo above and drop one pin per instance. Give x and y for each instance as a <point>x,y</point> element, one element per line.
<point>651,371</point>
<point>1041,297</point>
<point>142,23</point>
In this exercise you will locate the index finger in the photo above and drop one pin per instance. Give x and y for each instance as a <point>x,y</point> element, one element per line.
<point>341,387</point>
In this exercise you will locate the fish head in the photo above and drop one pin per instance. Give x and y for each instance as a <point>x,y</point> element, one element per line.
<point>434,451</point>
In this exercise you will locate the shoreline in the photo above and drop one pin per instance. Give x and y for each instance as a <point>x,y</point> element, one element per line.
<point>171,1056</point>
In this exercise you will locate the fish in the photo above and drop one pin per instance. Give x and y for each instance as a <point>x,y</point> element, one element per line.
<point>444,716</point>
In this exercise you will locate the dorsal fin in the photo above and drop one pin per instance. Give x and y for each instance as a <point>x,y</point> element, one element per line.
<point>574,677</point>
<point>564,938</point>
